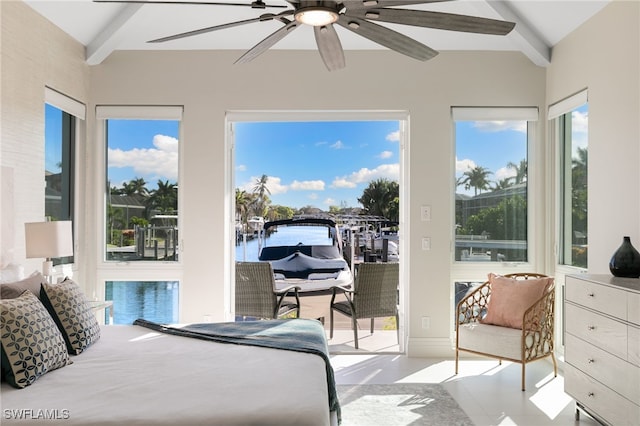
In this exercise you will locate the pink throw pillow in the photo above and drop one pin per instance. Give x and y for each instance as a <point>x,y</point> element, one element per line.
<point>510,298</point>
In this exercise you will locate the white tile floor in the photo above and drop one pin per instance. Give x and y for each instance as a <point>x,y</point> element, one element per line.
<point>488,392</point>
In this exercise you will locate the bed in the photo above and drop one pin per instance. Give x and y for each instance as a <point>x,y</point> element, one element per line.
<point>145,374</point>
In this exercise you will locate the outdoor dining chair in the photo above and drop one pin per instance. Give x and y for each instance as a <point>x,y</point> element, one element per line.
<point>374,295</point>
<point>256,294</point>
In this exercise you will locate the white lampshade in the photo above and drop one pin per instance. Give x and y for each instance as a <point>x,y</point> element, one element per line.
<point>49,239</point>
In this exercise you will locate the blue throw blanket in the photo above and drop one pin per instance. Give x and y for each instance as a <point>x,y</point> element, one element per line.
<point>299,335</point>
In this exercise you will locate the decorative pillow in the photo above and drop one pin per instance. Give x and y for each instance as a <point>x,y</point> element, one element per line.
<point>11,290</point>
<point>31,342</point>
<point>70,310</point>
<point>510,298</point>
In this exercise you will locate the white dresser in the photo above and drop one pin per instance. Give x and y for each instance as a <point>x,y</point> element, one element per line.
<point>602,347</point>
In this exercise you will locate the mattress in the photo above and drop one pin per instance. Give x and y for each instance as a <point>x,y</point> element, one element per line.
<point>136,376</point>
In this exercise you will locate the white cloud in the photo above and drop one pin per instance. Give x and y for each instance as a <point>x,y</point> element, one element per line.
<point>160,162</point>
<point>464,165</point>
<point>329,202</point>
<point>500,126</point>
<point>504,172</point>
<point>385,154</point>
<point>241,168</point>
<point>365,175</point>
<point>313,196</point>
<point>393,136</point>
<point>338,145</point>
<point>275,185</point>
<point>307,185</point>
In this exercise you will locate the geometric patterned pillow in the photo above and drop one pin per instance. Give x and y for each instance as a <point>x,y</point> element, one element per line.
<point>31,342</point>
<point>70,310</point>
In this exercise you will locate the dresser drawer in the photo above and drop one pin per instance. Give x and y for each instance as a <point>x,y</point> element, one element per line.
<point>609,370</point>
<point>633,349</point>
<point>601,298</point>
<point>597,398</point>
<point>633,308</point>
<point>596,329</point>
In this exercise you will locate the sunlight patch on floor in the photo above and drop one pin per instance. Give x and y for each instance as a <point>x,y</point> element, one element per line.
<point>550,397</point>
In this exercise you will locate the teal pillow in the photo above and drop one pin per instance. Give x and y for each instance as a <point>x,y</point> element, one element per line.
<point>31,344</point>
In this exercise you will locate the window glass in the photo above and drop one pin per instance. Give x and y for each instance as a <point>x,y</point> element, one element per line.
<point>59,167</point>
<point>573,141</point>
<point>142,197</point>
<point>491,191</point>
<point>155,301</point>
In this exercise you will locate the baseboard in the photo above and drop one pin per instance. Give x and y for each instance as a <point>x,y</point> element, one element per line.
<point>430,347</point>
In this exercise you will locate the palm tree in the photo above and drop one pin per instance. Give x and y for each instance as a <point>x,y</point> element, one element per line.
<point>502,184</point>
<point>242,205</point>
<point>261,190</point>
<point>381,198</point>
<point>521,171</point>
<point>475,178</point>
<point>164,198</point>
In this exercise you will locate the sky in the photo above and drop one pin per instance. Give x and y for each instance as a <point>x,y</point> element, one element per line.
<point>318,163</point>
<point>321,163</point>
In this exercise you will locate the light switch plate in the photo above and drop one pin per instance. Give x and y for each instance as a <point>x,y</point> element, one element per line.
<point>425,213</point>
<point>426,243</point>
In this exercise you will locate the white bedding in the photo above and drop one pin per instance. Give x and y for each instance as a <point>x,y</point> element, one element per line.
<point>135,376</point>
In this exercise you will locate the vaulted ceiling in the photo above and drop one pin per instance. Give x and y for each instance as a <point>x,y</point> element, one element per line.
<point>107,27</point>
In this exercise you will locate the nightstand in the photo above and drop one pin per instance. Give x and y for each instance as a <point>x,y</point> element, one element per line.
<point>101,305</point>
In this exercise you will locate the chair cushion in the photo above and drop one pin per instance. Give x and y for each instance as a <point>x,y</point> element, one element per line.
<point>493,340</point>
<point>510,298</point>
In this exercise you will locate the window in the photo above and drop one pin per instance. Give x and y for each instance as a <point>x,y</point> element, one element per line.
<point>140,268</point>
<point>492,184</point>
<point>141,214</point>
<point>61,115</point>
<point>570,121</point>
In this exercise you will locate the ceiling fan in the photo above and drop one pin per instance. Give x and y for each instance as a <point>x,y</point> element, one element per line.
<point>358,16</point>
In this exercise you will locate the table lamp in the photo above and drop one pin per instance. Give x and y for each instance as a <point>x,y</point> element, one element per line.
<point>48,240</point>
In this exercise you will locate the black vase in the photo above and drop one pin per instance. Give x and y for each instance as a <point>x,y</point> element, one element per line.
<point>625,262</point>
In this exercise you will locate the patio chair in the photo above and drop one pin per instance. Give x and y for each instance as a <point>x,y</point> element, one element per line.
<point>374,294</point>
<point>256,294</point>
<point>517,325</point>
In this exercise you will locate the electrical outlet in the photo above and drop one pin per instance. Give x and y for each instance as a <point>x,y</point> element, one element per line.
<point>426,243</point>
<point>425,213</point>
<point>426,323</point>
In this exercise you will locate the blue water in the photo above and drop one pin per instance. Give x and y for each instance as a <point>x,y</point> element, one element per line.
<point>152,300</point>
<point>157,301</point>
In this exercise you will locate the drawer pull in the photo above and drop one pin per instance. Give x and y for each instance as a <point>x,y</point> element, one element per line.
<point>591,295</point>
<point>591,360</point>
<point>591,394</point>
<point>591,327</point>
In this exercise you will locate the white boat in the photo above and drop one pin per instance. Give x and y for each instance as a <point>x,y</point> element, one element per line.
<point>256,223</point>
<point>316,264</point>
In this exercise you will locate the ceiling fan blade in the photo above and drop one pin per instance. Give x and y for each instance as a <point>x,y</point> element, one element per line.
<point>366,4</point>
<point>256,4</point>
<point>438,20</point>
<point>329,47</point>
<point>264,17</point>
<point>266,43</point>
<point>387,37</point>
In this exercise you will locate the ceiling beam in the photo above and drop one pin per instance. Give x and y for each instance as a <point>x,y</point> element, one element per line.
<point>107,40</point>
<point>527,40</point>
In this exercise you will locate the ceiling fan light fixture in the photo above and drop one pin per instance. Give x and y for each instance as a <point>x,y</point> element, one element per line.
<point>316,16</point>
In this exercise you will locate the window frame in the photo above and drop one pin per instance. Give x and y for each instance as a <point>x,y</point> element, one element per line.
<point>73,118</point>
<point>108,270</point>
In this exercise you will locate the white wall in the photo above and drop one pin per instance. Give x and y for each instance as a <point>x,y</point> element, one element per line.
<point>207,84</point>
<point>603,55</point>
<point>34,54</point>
